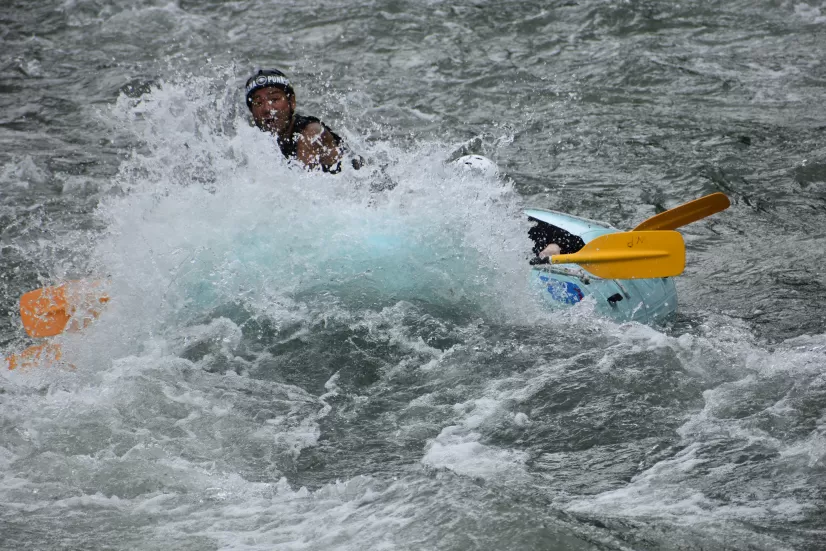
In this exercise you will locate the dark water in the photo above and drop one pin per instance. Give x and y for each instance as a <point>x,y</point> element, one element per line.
<point>304,361</point>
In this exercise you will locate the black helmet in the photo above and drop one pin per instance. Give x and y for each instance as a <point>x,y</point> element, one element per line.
<point>266,78</point>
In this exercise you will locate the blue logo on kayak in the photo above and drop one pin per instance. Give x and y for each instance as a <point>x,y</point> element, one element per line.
<point>563,291</point>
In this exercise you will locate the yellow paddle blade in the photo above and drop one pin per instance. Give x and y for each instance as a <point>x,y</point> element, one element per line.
<point>686,214</point>
<point>48,311</point>
<point>630,255</point>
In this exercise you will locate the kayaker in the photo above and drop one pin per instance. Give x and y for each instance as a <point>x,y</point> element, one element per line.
<point>271,100</point>
<point>549,240</point>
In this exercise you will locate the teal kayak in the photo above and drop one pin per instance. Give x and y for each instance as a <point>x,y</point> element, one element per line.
<point>649,301</point>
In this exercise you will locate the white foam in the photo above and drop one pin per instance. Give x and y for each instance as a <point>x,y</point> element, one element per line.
<point>458,447</point>
<point>813,14</point>
<point>459,450</point>
<point>21,172</point>
<point>662,492</point>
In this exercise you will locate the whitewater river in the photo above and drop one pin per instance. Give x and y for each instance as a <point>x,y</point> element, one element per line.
<point>302,361</point>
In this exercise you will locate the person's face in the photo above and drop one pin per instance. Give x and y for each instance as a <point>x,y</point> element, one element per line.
<point>272,109</point>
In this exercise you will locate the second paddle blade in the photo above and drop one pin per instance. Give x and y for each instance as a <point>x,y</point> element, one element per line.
<point>687,213</point>
<point>45,312</point>
<point>49,311</point>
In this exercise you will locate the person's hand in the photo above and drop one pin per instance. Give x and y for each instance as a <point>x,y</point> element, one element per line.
<point>550,250</point>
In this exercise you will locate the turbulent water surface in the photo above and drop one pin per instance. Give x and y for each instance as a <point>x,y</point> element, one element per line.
<point>303,361</point>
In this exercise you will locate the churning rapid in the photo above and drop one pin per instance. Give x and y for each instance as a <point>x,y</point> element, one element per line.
<point>298,360</point>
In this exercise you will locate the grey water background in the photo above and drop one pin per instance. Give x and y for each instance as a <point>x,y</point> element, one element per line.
<point>415,424</point>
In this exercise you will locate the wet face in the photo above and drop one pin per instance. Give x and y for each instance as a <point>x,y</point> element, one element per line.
<point>272,109</point>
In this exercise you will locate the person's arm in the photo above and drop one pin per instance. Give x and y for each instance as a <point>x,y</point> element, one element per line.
<point>318,147</point>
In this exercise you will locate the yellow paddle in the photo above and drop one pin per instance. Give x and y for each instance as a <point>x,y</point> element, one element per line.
<point>630,255</point>
<point>686,214</point>
<point>46,312</point>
